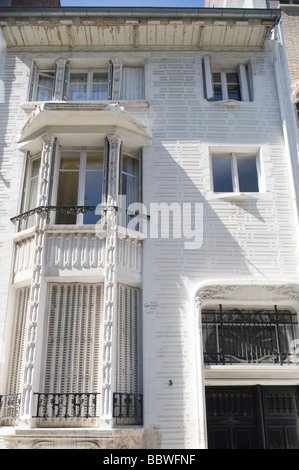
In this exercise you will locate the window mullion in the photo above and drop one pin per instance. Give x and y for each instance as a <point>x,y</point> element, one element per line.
<point>81,188</point>
<point>224,86</point>
<point>89,85</point>
<point>235,173</point>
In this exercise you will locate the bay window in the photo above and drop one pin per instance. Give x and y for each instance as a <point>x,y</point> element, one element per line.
<point>129,186</point>
<point>30,195</point>
<point>69,80</point>
<point>80,183</point>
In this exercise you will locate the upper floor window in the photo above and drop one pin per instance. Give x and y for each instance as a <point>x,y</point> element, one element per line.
<point>88,86</point>
<point>235,173</point>
<point>44,86</point>
<point>79,81</point>
<point>231,82</point>
<point>240,336</point>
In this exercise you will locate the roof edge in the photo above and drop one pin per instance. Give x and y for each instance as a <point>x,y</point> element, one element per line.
<point>141,12</point>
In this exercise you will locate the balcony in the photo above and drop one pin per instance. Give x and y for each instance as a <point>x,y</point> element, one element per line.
<point>73,249</point>
<point>72,409</point>
<point>9,408</point>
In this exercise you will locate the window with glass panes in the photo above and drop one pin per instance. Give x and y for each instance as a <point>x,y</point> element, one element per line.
<point>88,86</point>
<point>235,173</point>
<point>30,198</point>
<point>44,86</point>
<point>80,183</point>
<point>129,185</point>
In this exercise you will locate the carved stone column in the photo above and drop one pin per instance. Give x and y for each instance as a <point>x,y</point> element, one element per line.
<point>117,79</point>
<point>110,286</point>
<point>60,79</point>
<point>36,280</point>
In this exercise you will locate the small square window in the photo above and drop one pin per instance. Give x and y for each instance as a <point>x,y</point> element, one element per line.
<point>235,173</point>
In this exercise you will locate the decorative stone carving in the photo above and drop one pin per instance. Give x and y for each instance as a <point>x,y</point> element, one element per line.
<point>110,287</point>
<point>61,66</point>
<point>290,291</point>
<point>213,291</point>
<point>38,252</point>
<point>117,73</point>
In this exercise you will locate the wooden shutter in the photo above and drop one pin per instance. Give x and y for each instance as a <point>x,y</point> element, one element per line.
<point>208,78</point>
<point>17,357</point>
<point>73,348</point>
<point>110,81</point>
<point>243,78</point>
<point>32,82</point>
<point>128,339</point>
<point>133,83</point>
<point>66,80</point>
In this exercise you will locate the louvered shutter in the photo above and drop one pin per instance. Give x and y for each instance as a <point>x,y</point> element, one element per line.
<point>73,346</point>
<point>17,357</point>
<point>208,78</point>
<point>133,83</point>
<point>243,78</point>
<point>128,380</point>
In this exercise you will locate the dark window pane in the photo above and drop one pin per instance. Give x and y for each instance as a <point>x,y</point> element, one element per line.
<point>218,96</point>
<point>222,174</point>
<point>67,194</point>
<point>233,86</point>
<point>247,174</point>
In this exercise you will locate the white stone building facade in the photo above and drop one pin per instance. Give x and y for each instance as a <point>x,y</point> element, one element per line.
<point>149,230</point>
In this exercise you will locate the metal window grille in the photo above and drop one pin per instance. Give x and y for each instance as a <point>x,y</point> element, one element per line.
<point>234,336</point>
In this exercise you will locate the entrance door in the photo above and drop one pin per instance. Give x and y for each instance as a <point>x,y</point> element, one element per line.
<point>252,417</point>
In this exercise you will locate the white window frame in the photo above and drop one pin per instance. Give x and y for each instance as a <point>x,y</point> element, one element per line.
<point>234,171</point>
<point>89,82</point>
<point>124,213</point>
<point>29,222</point>
<point>208,71</point>
<point>81,183</point>
<point>35,82</point>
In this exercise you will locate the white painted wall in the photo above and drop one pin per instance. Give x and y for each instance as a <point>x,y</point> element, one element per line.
<point>252,240</point>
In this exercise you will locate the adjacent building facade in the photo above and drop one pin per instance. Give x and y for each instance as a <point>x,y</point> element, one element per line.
<point>149,229</point>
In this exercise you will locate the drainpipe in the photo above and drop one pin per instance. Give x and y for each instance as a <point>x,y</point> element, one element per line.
<point>2,65</point>
<point>289,126</point>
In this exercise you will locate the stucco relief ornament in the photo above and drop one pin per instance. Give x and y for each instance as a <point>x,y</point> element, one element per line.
<point>291,291</point>
<point>213,291</point>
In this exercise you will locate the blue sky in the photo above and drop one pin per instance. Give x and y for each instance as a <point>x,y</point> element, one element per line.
<point>133,3</point>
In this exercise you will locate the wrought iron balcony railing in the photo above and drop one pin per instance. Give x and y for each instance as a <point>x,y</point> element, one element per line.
<point>240,336</point>
<point>128,406</point>
<point>67,405</point>
<point>10,406</point>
